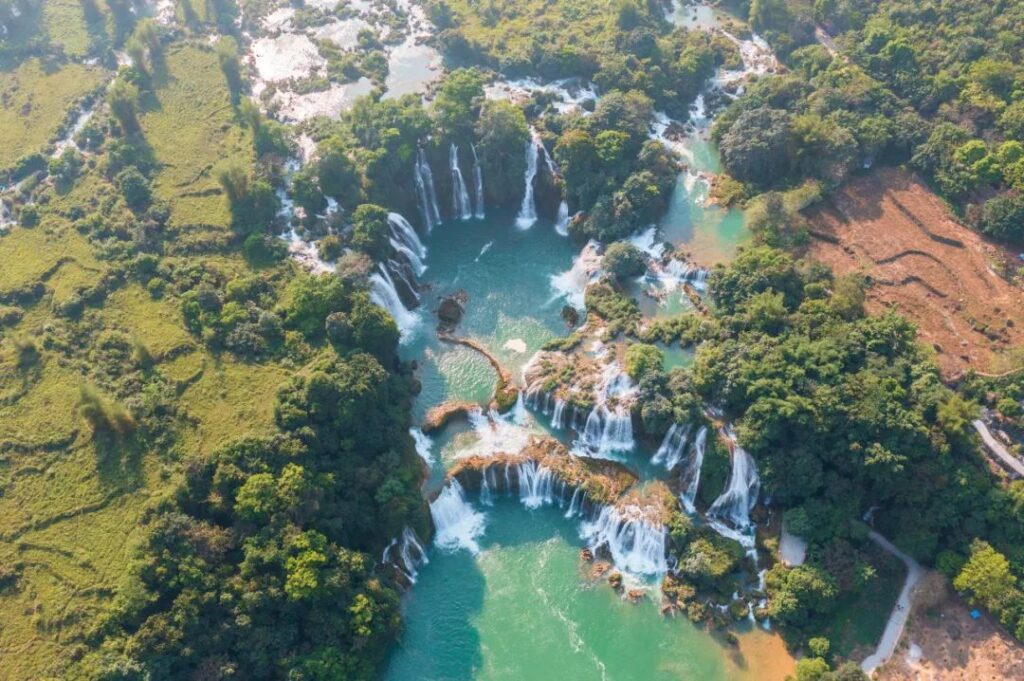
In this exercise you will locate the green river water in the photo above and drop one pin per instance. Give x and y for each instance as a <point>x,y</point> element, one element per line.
<point>522,608</point>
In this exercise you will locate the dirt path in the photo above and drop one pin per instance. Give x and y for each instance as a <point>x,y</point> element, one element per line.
<point>898,618</point>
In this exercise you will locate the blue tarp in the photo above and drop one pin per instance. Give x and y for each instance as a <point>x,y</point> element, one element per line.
<point>975,614</point>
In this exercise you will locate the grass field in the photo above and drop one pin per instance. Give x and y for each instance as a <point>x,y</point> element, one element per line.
<point>71,508</point>
<point>34,100</point>
<point>66,24</point>
<point>192,129</point>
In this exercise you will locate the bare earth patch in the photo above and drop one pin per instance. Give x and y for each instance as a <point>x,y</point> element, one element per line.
<point>942,642</point>
<point>891,228</point>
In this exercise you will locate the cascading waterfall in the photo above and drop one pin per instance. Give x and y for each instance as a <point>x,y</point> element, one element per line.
<point>456,524</point>
<point>636,545</point>
<point>576,503</point>
<point>478,183</point>
<point>535,484</point>
<point>562,223</point>
<point>424,445</point>
<point>406,554</point>
<point>528,211</point>
<point>670,453</point>
<point>384,294</point>
<point>737,500</point>
<point>406,275</point>
<point>425,191</point>
<point>486,497</point>
<point>558,415</point>
<point>690,479</point>
<point>608,431</point>
<point>460,197</point>
<point>405,240</point>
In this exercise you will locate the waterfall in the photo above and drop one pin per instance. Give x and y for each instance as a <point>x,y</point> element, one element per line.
<point>572,284</point>
<point>384,294</point>
<point>558,416</point>
<point>636,545</point>
<point>528,211</point>
<point>737,500</point>
<point>411,554</point>
<point>425,191</point>
<point>405,240</point>
<point>562,224</point>
<point>485,488</point>
<point>574,506</point>
<point>535,484</point>
<point>460,197</point>
<point>671,450</point>
<point>424,445</point>
<point>456,524</point>
<point>548,161</point>
<point>478,183</point>
<point>407,277</point>
<point>608,431</point>
<point>691,476</point>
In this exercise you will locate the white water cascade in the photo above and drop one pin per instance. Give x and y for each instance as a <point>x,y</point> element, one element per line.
<point>636,545</point>
<point>424,445</point>
<point>478,184</point>
<point>670,453</point>
<point>562,223</point>
<point>384,294</point>
<point>456,524</point>
<point>528,211</point>
<point>737,500</point>
<point>460,197</point>
<point>609,429</point>
<point>407,554</point>
<point>558,415</point>
<point>536,484</point>
<point>405,240</point>
<point>425,191</point>
<point>690,478</point>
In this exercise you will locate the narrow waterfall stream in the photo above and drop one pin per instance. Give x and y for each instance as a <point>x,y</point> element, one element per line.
<point>460,196</point>
<point>528,210</point>
<point>478,186</point>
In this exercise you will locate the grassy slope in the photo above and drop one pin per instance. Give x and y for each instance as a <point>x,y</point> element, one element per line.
<point>34,101</point>
<point>69,513</point>
<point>192,89</point>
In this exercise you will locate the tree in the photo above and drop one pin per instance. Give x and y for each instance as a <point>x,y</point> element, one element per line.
<point>755,147</point>
<point>371,231</point>
<point>456,102</point>
<point>624,261</point>
<point>643,359</point>
<point>123,97</point>
<point>503,135</point>
<point>987,579</point>
<point>134,187</point>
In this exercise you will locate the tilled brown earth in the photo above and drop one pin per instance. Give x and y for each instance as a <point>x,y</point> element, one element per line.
<point>919,260</point>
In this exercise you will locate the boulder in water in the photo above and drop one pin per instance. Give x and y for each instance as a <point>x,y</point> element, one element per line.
<point>451,310</point>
